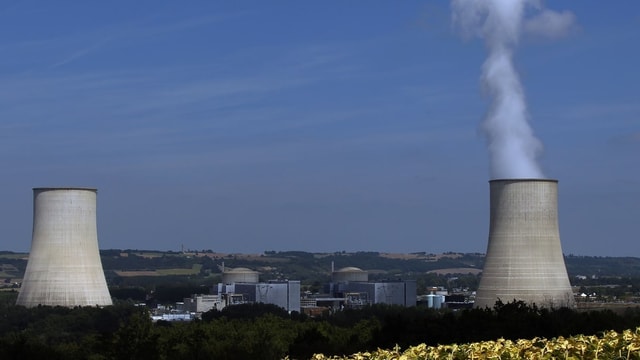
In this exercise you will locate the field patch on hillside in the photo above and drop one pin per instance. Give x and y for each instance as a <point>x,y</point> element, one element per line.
<point>161,272</point>
<point>474,271</point>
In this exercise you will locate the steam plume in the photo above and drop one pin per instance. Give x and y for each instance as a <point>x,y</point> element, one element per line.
<point>513,147</point>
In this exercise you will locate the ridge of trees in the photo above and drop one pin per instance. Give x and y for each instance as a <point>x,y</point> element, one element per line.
<point>122,260</point>
<point>259,331</point>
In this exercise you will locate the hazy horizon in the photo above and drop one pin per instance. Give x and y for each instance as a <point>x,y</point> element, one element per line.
<point>203,251</point>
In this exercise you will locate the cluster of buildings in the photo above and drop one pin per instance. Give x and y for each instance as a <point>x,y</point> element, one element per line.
<point>349,288</point>
<point>242,286</point>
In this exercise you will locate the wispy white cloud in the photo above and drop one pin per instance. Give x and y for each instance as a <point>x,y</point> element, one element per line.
<point>551,24</point>
<point>77,54</point>
<point>61,50</point>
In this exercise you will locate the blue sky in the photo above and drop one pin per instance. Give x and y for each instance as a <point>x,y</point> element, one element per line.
<point>245,126</point>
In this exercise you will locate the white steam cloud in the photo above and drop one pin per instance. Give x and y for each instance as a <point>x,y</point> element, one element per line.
<point>513,147</point>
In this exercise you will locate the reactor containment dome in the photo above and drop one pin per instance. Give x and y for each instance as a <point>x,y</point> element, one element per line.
<point>64,267</point>
<point>240,275</point>
<point>349,274</point>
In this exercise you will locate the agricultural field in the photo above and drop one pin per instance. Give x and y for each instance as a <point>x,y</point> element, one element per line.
<point>194,270</point>
<point>13,256</point>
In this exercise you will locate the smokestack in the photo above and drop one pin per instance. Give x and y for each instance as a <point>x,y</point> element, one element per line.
<point>64,267</point>
<point>524,256</point>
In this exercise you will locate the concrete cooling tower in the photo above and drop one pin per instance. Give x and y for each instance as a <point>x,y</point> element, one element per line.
<point>64,266</point>
<point>524,257</point>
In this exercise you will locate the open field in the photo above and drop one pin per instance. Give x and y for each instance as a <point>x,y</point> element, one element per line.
<point>9,271</point>
<point>161,272</point>
<point>14,256</point>
<point>421,256</point>
<point>618,308</point>
<point>474,271</point>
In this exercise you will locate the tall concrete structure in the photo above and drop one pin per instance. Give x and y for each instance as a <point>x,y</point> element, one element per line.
<point>64,266</point>
<point>524,257</point>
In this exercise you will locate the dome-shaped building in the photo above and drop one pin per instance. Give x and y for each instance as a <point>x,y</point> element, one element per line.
<point>349,274</point>
<point>239,275</point>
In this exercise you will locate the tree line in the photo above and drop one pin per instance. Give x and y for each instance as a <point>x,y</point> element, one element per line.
<point>263,331</point>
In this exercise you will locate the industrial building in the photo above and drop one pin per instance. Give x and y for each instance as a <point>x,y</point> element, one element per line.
<point>241,286</point>
<point>524,256</point>
<point>435,299</point>
<point>392,293</point>
<point>64,266</point>
<point>353,283</point>
<point>202,303</point>
<point>285,294</point>
<point>350,288</point>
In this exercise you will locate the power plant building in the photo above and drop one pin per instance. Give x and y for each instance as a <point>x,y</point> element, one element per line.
<point>401,293</point>
<point>64,266</point>
<point>241,285</point>
<point>202,303</point>
<point>352,284</point>
<point>349,274</point>
<point>285,294</point>
<point>524,259</point>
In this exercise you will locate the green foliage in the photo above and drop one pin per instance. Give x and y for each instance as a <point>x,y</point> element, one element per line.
<point>135,293</point>
<point>262,331</point>
<point>136,339</point>
<point>58,332</point>
<point>603,266</point>
<point>245,311</point>
<point>173,293</point>
<point>8,298</point>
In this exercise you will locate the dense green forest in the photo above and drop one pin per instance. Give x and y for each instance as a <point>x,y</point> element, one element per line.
<point>260,331</point>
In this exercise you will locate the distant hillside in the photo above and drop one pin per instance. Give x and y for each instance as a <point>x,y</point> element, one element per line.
<point>309,267</point>
<point>599,266</point>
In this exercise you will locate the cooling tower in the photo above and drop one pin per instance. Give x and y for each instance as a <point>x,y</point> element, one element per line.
<point>64,266</point>
<point>524,257</point>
